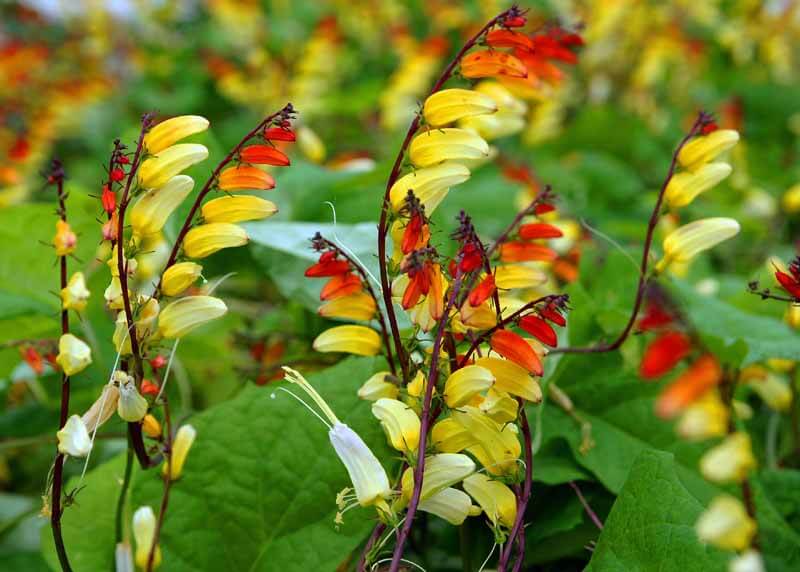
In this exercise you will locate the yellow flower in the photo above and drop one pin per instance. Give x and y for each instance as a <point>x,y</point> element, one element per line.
<point>73,354</point>
<point>377,387</point>
<point>206,239</point>
<point>438,145</point>
<point>180,449</point>
<point>359,306</point>
<point>65,240</point>
<point>399,422</point>
<point>150,212</point>
<point>792,316</point>
<point>131,407</point>
<point>748,561</point>
<point>185,314</point>
<point>498,446</point>
<point>75,295</point>
<point>121,337</point>
<point>73,438</point>
<point>449,436</point>
<point>441,471</point>
<point>430,185</point>
<point>687,241</point>
<point>480,317</point>
<point>310,144</point>
<point>511,378</point>
<point>705,418</point>
<point>500,124</point>
<point>450,504</point>
<point>503,98</point>
<point>730,461</point>
<point>358,340</point>
<point>774,391</point>
<point>144,530</point>
<point>510,276</point>
<point>706,148</point>
<point>179,277</point>
<point>173,130</point>
<point>499,406</point>
<point>238,208</point>
<point>450,105</point>
<point>145,317</point>
<point>725,524</point>
<point>103,407</point>
<point>156,171</point>
<point>791,199</point>
<point>684,187</point>
<point>495,498</point>
<point>151,427</point>
<point>466,383</point>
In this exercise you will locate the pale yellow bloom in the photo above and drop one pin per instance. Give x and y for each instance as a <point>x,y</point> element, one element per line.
<point>359,306</point>
<point>121,336</point>
<point>113,294</point>
<point>358,340</point>
<point>144,530</point>
<point>75,296</point>
<point>449,436</point>
<point>687,241</point>
<point>150,212</point>
<point>512,378</point>
<point>705,148</point>
<point>206,239</point>
<point>172,130</point>
<point>774,391</point>
<point>400,423</point>
<point>509,276</point>
<point>450,504</point>
<point>310,144</point>
<point>730,461</point>
<point>65,240</point>
<point>726,525</point>
<point>495,126</point>
<point>442,470</point>
<point>430,185</point>
<point>178,277</point>
<point>792,316</point>
<point>377,387</point>
<point>73,438</point>
<point>103,407</point>
<point>480,317</point>
<point>450,105</point>
<point>705,418</point>
<point>145,317</point>
<point>495,498</point>
<point>185,314</point>
<point>465,383</point>
<point>180,449</point>
<point>791,199</point>
<point>499,406</point>
<point>131,407</point>
<point>238,208</point>
<point>157,170</point>
<point>450,144</point>
<point>684,187</point>
<point>73,354</point>
<point>505,100</point>
<point>498,446</point>
<point>749,561</point>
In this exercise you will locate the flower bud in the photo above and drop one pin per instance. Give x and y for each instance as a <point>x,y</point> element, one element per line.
<point>516,349</point>
<point>377,387</point>
<point>706,148</point>
<point>359,340</point>
<point>399,422</point>
<point>684,187</point>
<point>495,498</point>
<point>113,294</point>
<point>686,242</point>
<point>185,314</point>
<point>774,391</point>
<point>791,199</point>
<point>150,212</point>
<point>73,438</point>
<point>730,461</point>
<point>726,525</point>
<point>511,276</point>
<point>450,105</point>
<point>146,315</point>
<point>144,530</point>
<point>450,504</point>
<point>180,449</point>
<point>151,427</point>
<point>430,185</point>
<point>438,145</point>
<point>310,144</point>
<point>178,277</point>
<point>705,418</point>
<point>121,336</point>
<point>206,239</point>
<point>172,130</point>
<point>159,169</point>
<point>466,383</point>
<point>244,177</point>
<point>103,407</point>
<point>131,406</point>
<point>237,208</point>
<point>75,295</point>
<point>73,354</point>
<point>65,240</point>
<point>359,306</point>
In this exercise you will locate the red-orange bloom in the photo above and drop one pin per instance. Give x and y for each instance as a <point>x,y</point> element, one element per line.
<point>515,22</point>
<point>328,265</point>
<point>149,388</point>
<point>108,199</point>
<point>264,155</point>
<point>278,134</point>
<point>701,376</point>
<point>539,329</point>
<point>242,177</point>
<point>471,258</point>
<point>550,312</point>
<point>508,39</point>
<point>788,283</point>
<point>539,67</point>
<point>419,284</point>
<point>525,252</point>
<point>538,230</point>
<point>416,234</point>
<point>544,208</point>
<point>339,286</point>
<point>654,318</point>
<point>33,359</point>
<point>550,48</point>
<point>488,63</point>
<point>482,291</point>
<point>514,347</point>
<point>664,353</point>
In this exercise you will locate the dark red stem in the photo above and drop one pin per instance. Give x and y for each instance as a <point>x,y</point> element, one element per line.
<point>167,484</point>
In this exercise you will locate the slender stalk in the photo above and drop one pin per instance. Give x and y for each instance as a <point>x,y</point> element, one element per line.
<point>123,493</point>
<point>586,506</point>
<point>167,485</point>
<point>702,118</point>
<point>383,224</point>
<point>373,538</point>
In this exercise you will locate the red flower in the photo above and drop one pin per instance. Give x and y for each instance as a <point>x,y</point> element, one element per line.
<point>328,265</point>
<point>158,362</point>
<point>340,285</point>
<point>654,318</point>
<point>525,252</point>
<point>149,388</point>
<point>419,284</point>
<point>664,353</point>
<point>709,128</point>
<point>482,291</point>
<point>539,329</point>
<point>416,234</point>
<point>789,283</point>
<point>515,22</point>
<point>544,208</point>
<point>701,376</point>
<point>471,258</point>
<point>514,347</point>
<point>264,155</point>
<point>278,134</point>
<point>108,199</point>
<point>508,39</point>
<point>117,175</point>
<point>538,230</point>
<point>33,359</point>
<point>550,312</point>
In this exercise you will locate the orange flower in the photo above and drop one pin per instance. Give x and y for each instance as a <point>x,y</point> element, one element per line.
<point>489,63</point>
<point>539,67</point>
<point>539,329</point>
<point>525,252</point>
<point>551,313</point>
<point>65,240</point>
<point>328,265</point>
<point>514,347</point>
<point>482,291</point>
<point>278,134</point>
<point>508,39</point>
<point>264,155</point>
<point>340,285</point>
<point>416,234</point>
<point>419,284</point>
<point>538,230</point>
<point>236,178</point>
<point>664,353</point>
<point>701,376</point>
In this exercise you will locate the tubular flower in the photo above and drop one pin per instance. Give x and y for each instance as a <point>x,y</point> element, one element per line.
<point>73,354</point>
<point>184,439</point>
<point>75,296</point>
<point>500,38</point>
<point>146,316</point>
<point>683,188</point>
<point>243,177</point>
<point>466,383</point>
<point>279,134</point>
<point>526,252</point>
<point>149,213</point>
<point>706,148</point>
<point>144,530</point>
<point>438,145</point>
<point>537,230</point>
<point>65,240</point>
<point>340,285</point>
<point>489,63</point>
<point>131,407</point>
<point>172,130</point>
<point>121,338</point>
<point>514,347</point>
<point>500,406</point>
<point>157,170</point>
<point>264,155</point>
<point>366,473</point>
<point>182,316</point>
<point>483,291</point>
<point>730,461</point>
<point>705,418</point>
<point>511,276</point>
<point>774,391</point>
<point>430,185</point>
<point>358,340</point>
<point>495,498</point>
<point>206,239</point>
<point>238,208</point>
<point>704,374</point>
<point>150,426</point>
<point>178,277</point>
<point>512,378</point>
<point>450,105</point>
<point>377,387</point>
<point>788,277</point>
<point>449,436</point>
<point>497,448</point>
<point>726,525</point>
<point>686,242</point>
<point>442,470</point>
<point>359,306</point>
<point>329,264</point>
<point>73,438</point>
<point>539,329</point>
<point>450,504</point>
<point>399,422</point>
<point>103,407</point>
<point>664,353</point>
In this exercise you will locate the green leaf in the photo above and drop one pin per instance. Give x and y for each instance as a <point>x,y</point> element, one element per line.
<point>651,525</point>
